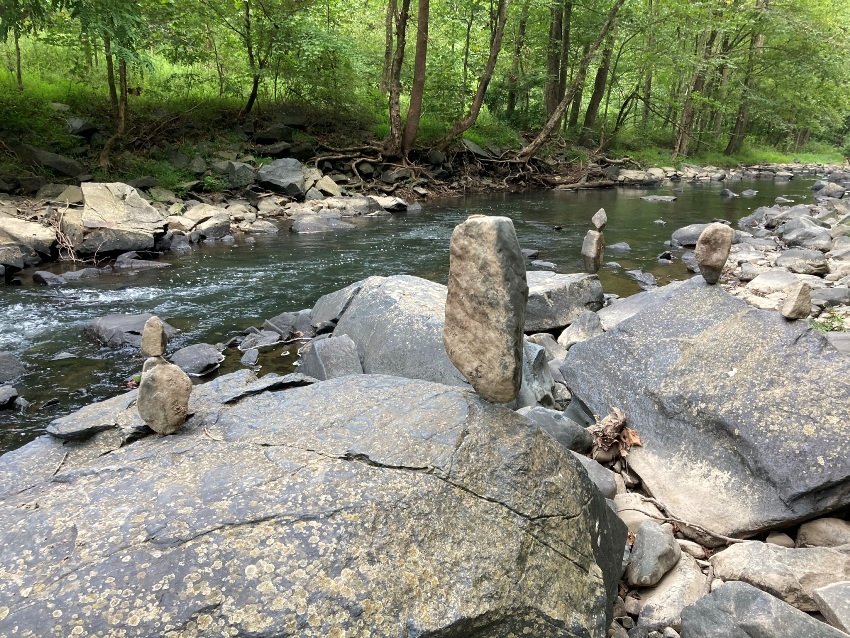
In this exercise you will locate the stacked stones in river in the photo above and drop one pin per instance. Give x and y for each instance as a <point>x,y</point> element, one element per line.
<point>593,247</point>
<point>485,306</point>
<point>712,250</point>
<point>164,390</point>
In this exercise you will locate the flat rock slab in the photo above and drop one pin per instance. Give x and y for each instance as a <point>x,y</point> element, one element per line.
<point>716,390</point>
<point>416,505</point>
<point>556,300</point>
<point>740,610</point>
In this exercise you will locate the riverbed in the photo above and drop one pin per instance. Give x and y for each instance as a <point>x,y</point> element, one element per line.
<point>217,290</point>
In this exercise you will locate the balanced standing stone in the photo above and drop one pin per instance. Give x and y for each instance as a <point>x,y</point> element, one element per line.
<point>154,339</point>
<point>485,306</point>
<point>798,302</point>
<point>712,250</point>
<point>600,219</point>
<point>164,391</point>
<point>593,251</point>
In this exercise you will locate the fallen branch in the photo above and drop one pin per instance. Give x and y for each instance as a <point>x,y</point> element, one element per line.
<point>603,183</point>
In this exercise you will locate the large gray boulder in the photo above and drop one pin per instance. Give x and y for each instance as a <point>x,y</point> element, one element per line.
<point>284,175</point>
<point>15,254</point>
<point>790,574</point>
<point>118,331</point>
<point>729,404</point>
<point>739,610</point>
<point>58,164</point>
<point>10,367</point>
<point>330,358</point>
<point>556,300</point>
<point>397,324</point>
<point>485,306</point>
<point>35,236</point>
<point>114,218</point>
<point>372,506</point>
<point>198,359</point>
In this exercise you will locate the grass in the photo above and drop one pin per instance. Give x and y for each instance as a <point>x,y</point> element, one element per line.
<point>832,321</point>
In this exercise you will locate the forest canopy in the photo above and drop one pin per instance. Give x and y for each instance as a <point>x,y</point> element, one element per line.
<point>689,76</point>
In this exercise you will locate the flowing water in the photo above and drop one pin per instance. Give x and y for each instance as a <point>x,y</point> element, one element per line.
<point>217,290</point>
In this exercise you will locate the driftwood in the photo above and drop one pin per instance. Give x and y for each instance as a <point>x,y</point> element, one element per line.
<point>602,183</point>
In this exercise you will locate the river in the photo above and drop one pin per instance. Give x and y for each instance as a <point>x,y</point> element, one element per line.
<point>217,290</point>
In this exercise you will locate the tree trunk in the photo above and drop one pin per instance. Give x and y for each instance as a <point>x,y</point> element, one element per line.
<point>467,43</point>
<point>515,65</point>
<point>18,74</point>
<point>414,113</point>
<point>553,57</point>
<point>575,107</point>
<point>565,49</point>
<point>386,75</point>
<point>110,74</point>
<point>736,141</point>
<point>495,46</point>
<point>392,145</point>
<point>599,85</point>
<point>647,81</point>
<point>530,149</point>
<point>252,98</point>
<point>689,111</point>
<point>121,123</point>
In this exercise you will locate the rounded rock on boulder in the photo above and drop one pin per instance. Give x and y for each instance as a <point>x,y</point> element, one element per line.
<point>154,339</point>
<point>712,250</point>
<point>163,401</point>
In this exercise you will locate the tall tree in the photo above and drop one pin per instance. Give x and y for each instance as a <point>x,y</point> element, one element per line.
<point>414,112</point>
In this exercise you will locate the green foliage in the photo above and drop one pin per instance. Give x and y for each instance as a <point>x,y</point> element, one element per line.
<point>165,173</point>
<point>832,321</point>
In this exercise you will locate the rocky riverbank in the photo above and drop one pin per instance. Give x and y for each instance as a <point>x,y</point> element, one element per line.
<point>376,492</point>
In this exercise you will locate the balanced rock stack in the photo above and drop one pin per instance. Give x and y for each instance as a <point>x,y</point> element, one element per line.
<point>712,251</point>
<point>593,247</point>
<point>485,306</point>
<point>164,390</point>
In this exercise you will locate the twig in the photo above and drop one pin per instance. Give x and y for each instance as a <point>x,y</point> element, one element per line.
<point>671,519</point>
<point>61,463</point>
<point>709,577</point>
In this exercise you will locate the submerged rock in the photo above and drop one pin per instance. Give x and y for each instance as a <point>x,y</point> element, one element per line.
<point>418,506</point>
<point>118,331</point>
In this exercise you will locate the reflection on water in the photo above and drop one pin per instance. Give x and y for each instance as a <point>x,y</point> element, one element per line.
<point>218,290</point>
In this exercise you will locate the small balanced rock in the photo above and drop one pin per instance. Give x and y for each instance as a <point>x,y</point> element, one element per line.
<point>600,219</point>
<point>798,302</point>
<point>164,390</point>
<point>485,306</point>
<point>593,251</point>
<point>154,339</point>
<point>712,250</point>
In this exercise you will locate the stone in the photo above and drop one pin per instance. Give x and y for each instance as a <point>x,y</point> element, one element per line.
<point>824,532</point>
<point>426,510</point>
<point>315,224</point>
<point>593,251</point>
<point>663,604</point>
<point>646,280</point>
<point>111,414</point>
<point>586,326</point>
<point>34,236</point>
<point>804,262</point>
<point>328,187</point>
<point>659,198</point>
<point>779,538</point>
<point>791,575</point>
<point>798,302</point>
<point>120,330</point>
<point>285,175</point>
<point>556,300</point>
<point>163,401</point>
<point>114,218</point>
<point>198,359</point>
<point>564,430</point>
<point>250,358</point>
<point>633,510</point>
<point>47,278</point>
<point>689,235</point>
<point>831,189</point>
<point>198,166</point>
<point>389,203</point>
<point>554,350</point>
<point>292,324</point>
<point>330,358</point>
<point>773,281</point>
<point>8,394</point>
<point>712,250</point>
<point>691,548</point>
<point>240,174</point>
<point>485,306</point>
<point>58,164</point>
<point>538,386</point>
<point>739,610</point>
<point>654,553</point>
<point>716,409</point>
<point>601,476</point>
<point>831,297</point>
<point>215,227</point>
<point>833,601</point>
<point>259,339</point>
<point>154,339</point>
<point>397,323</point>
<point>274,133</point>
<point>600,219</point>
